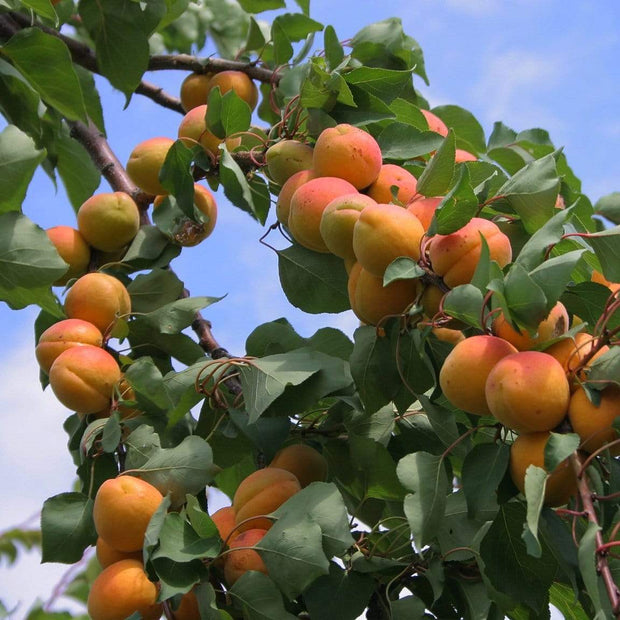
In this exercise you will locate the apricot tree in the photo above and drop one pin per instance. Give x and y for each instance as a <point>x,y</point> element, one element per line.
<point>455,458</point>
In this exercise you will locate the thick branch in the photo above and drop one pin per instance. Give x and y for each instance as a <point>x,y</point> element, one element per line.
<point>601,560</point>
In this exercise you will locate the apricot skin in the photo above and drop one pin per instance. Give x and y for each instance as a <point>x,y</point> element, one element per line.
<point>224,520</point>
<point>122,510</point>
<point>188,607</point>
<point>194,90</point>
<point>287,157</point>
<point>529,449</point>
<point>555,324</point>
<point>238,81</point>
<point>193,130</point>
<point>349,153</point>
<point>260,493</point>
<point>307,463</point>
<point>455,257</point>
<point>307,206</point>
<point>424,209</point>
<point>435,123</point>
<point>99,299</point>
<point>338,220</point>
<point>290,186</point>
<point>238,562</point>
<point>594,424</point>
<point>109,221</point>
<point>145,162</point>
<point>464,372</point>
<point>62,336</point>
<point>385,232</point>
<point>83,378</point>
<point>391,174</point>
<point>120,590</point>
<point>528,391</point>
<point>107,555</point>
<point>73,249</point>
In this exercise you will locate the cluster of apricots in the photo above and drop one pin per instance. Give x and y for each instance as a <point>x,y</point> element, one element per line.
<point>339,197</point>
<point>532,392</point>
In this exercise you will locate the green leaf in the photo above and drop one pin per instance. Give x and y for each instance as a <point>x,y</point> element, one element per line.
<point>457,208</point>
<point>43,8</point>
<point>609,207</point>
<point>564,599</point>
<point>258,6</point>
<point>587,300</point>
<point>402,268</point>
<point>19,103</point>
<point>559,447</point>
<point>178,541</point>
<point>149,249</point>
<point>525,298</point>
<point>297,26</point>
<point>606,244</point>
<point>334,53</point>
<point>424,474</point>
<point>67,527</point>
<point>258,598</point>
<point>464,302</point>
<point>588,563</point>
<point>19,158</point>
<point>154,289</point>
<point>45,62</point>
<point>535,481</point>
<point>464,123</point>
<point>399,142</point>
<point>176,315</point>
<point>120,33</point>
<point>312,281</point>
<point>436,178</point>
<point>176,176</point>
<point>227,114</point>
<point>384,84</point>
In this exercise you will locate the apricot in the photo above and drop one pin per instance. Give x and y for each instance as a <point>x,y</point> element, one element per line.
<point>307,463</point>
<point>391,175</point>
<point>107,555</point>
<point>594,423</point>
<point>241,560</point>
<point>349,153</point>
<point>465,371</point>
<point>237,81</point>
<point>435,123</point>
<point>99,299</point>
<point>307,206</point>
<point>83,378</point>
<point>287,157</point>
<point>455,257</point>
<point>224,520</point>
<point>62,336</point>
<point>120,590</point>
<point>72,248</point>
<point>122,510</point>
<point>528,391</point>
<point>195,90</point>
<point>371,301</point>
<point>553,325</point>
<point>445,334</point>
<point>109,221</point>
<point>126,411</point>
<point>597,276</point>
<point>424,209</point>
<point>338,220</point>
<point>191,233</point>
<point>145,163</point>
<point>529,449</point>
<point>283,204</point>
<point>193,130</point>
<point>260,493</point>
<point>460,155</point>
<point>384,232</point>
<point>188,607</point>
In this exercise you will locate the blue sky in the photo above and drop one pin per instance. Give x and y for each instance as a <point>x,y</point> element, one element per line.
<point>528,63</point>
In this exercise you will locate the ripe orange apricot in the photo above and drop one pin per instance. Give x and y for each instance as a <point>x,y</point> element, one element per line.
<point>109,221</point>
<point>384,232</point>
<point>145,162</point>
<point>73,249</point>
<point>528,391</point>
<point>349,153</point>
<point>307,206</point>
<point>287,157</point>
<point>338,220</point>
<point>238,562</point>
<point>98,298</point>
<point>391,175</point>
<point>83,378</point>
<point>237,81</point>
<point>529,449</point>
<point>224,520</point>
<point>371,301</point>
<point>435,123</point>
<point>62,336</point>
<point>194,90</point>
<point>107,555</point>
<point>188,607</point>
<point>260,493</point>
<point>122,510</point>
<point>597,276</point>
<point>193,130</point>
<point>464,372</point>
<point>455,257</point>
<point>553,325</point>
<point>424,208</point>
<point>307,463</point>
<point>460,155</point>
<point>594,423</point>
<point>121,590</point>
<point>445,334</point>
<point>283,204</point>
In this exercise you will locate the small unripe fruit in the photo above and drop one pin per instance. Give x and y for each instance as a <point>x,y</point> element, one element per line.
<point>83,378</point>
<point>195,90</point>
<point>73,249</point>
<point>122,510</point>
<point>349,153</point>
<point>145,163</point>
<point>391,175</point>
<point>62,336</point>
<point>307,463</point>
<point>287,157</point>
<point>238,562</point>
<point>109,221</point>
<point>237,81</point>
